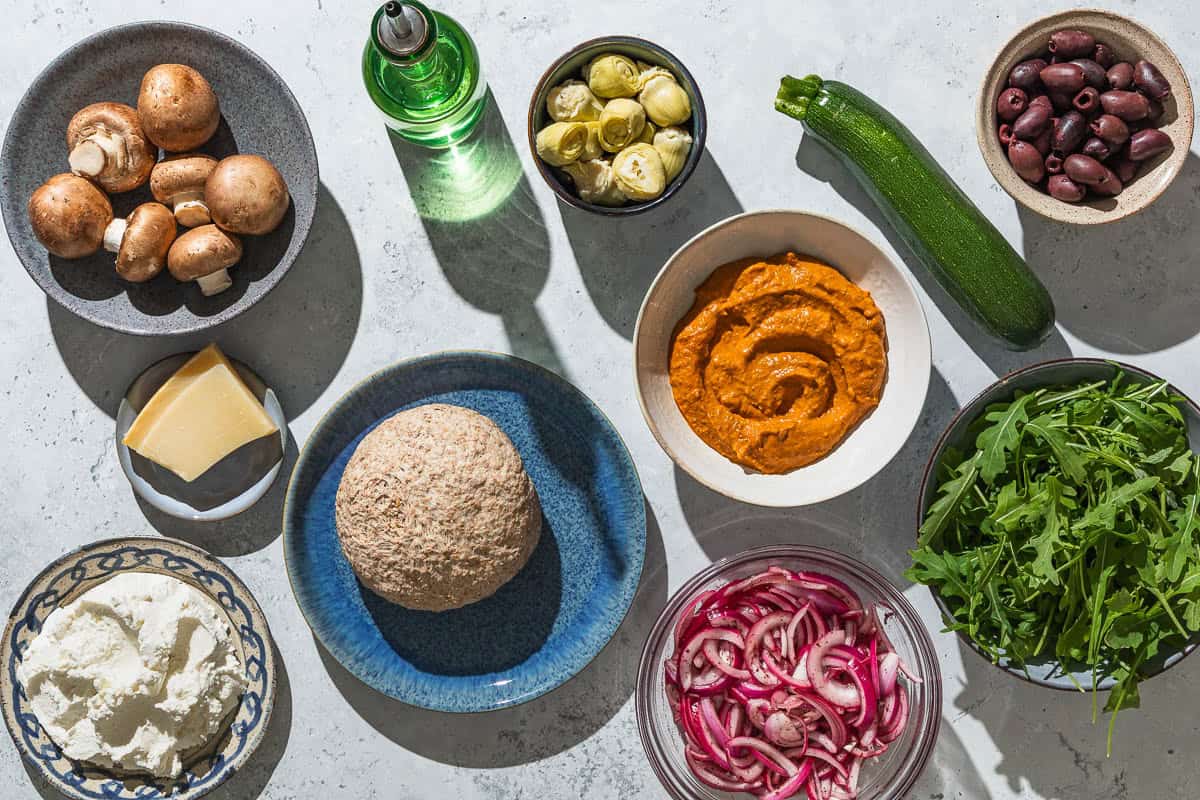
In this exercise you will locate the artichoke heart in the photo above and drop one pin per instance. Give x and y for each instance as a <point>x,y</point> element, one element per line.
<point>611,75</point>
<point>665,101</point>
<point>621,122</point>
<point>648,71</point>
<point>595,183</point>
<point>562,142</point>
<point>673,145</point>
<point>592,150</point>
<point>638,171</point>
<point>573,101</point>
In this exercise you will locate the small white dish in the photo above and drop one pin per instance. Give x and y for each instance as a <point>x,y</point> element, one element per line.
<point>871,445</point>
<point>233,485</point>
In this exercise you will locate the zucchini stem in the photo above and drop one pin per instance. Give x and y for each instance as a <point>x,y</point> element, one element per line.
<point>795,94</point>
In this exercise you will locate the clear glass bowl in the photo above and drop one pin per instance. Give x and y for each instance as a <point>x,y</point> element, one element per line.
<point>889,777</point>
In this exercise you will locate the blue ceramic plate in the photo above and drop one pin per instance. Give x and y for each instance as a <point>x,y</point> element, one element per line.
<point>542,627</point>
<point>82,569</point>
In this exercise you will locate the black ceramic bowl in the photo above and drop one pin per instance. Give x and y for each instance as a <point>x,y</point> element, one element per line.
<point>570,66</point>
<point>958,435</point>
<point>259,115</point>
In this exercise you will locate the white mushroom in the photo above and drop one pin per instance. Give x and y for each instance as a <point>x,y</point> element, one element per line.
<point>69,216</point>
<point>178,182</point>
<point>107,144</point>
<point>204,255</point>
<point>178,108</point>
<point>141,241</point>
<point>246,194</point>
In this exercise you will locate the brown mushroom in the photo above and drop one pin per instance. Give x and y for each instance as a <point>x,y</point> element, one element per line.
<point>178,182</point>
<point>246,194</point>
<point>204,255</point>
<point>107,144</point>
<point>69,216</point>
<point>141,241</point>
<point>178,108</point>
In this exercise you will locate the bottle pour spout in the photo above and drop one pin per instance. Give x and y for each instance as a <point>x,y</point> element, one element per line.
<point>402,30</point>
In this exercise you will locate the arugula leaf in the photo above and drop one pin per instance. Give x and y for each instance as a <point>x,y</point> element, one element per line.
<point>952,493</point>
<point>1001,437</point>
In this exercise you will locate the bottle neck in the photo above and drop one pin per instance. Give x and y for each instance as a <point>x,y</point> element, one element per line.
<point>391,35</point>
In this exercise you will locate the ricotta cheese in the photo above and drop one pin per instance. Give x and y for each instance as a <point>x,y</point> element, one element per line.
<point>133,673</point>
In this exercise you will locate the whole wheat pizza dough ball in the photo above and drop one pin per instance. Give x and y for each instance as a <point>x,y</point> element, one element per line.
<point>434,510</point>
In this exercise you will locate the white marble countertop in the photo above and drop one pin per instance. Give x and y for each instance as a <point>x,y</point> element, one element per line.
<point>377,284</point>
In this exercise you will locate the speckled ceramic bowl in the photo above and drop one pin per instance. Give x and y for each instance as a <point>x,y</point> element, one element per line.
<point>259,115</point>
<point>540,628</point>
<point>89,566</point>
<point>1131,41</point>
<point>570,66</point>
<point>958,435</point>
<point>229,487</point>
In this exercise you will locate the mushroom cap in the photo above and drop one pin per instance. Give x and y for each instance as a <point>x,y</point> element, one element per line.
<point>246,194</point>
<point>135,155</point>
<point>203,251</point>
<point>179,174</point>
<point>149,232</point>
<point>69,214</point>
<point>178,108</point>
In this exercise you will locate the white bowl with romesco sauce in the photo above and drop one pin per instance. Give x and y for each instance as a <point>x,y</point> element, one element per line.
<point>781,358</point>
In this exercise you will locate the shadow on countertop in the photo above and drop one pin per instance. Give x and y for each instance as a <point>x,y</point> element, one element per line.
<point>540,728</point>
<point>816,159</point>
<point>245,533</point>
<point>486,229</point>
<point>1129,286</point>
<point>249,782</point>
<point>296,338</point>
<point>884,508</point>
<point>619,257</point>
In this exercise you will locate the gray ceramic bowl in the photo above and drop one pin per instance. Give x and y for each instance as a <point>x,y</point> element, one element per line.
<point>1130,41</point>
<point>82,569</point>
<point>570,66</point>
<point>259,115</point>
<point>1048,373</point>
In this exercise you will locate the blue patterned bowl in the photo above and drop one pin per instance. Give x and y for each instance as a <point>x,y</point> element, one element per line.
<point>82,569</point>
<point>542,627</point>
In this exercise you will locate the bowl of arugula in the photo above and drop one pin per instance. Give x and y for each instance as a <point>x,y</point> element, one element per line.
<point>1059,526</point>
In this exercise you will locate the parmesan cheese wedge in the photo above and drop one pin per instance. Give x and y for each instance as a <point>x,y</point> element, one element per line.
<point>200,415</point>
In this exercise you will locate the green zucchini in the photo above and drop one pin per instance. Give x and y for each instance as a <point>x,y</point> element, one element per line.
<point>948,234</point>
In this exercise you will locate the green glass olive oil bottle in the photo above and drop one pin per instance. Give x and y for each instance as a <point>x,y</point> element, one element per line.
<point>422,70</point>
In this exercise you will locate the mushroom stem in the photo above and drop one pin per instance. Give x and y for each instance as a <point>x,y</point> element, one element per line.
<point>215,283</point>
<point>90,157</point>
<point>114,234</point>
<point>191,211</point>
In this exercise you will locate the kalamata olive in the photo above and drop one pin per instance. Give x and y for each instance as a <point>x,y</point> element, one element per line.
<point>1069,132</point>
<point>1042,100</point>
<point>1072,44</point>
<point>1024,76</point>
<point>1012,104</point>
<point>1062,101</point>
<point>1108,185</point>
<point>1063,78</point>
<point>1147,144</point>
<point>1112,130</point>
<point>1042,142</point>
<point>1030,124</point>
<point>1124,168</point>
<point>1120,76</point>
<point>1129,106</point>
<point>1156,110</point>
<point>1005,134</point>
<point>1027,161</point>
<point>1093,73</point>
<point>1104,55</point>
<point>1061,187</point>
<point>1084,169</point>
<point>1088,100</point>
<point>1150,81</point>
<point>1053,164</point>
<point>1097,148</point>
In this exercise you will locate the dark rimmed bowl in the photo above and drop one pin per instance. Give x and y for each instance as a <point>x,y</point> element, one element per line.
<point>569,66</point>
<point>259,114</point>
<point>1036,376</point>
